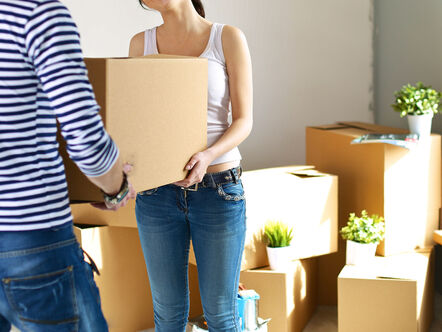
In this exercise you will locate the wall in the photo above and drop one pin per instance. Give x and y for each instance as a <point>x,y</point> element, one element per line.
<point>312,62</point>
<point>408,49</point>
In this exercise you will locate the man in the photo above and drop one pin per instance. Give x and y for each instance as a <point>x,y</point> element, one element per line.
<point>45,283</point>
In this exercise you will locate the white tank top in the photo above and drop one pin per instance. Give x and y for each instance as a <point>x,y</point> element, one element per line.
<point>219,97</point>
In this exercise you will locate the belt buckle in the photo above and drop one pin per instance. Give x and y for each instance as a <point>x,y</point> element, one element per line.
<point>195,187</point>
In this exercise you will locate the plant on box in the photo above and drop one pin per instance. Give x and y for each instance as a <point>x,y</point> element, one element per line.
<point>419,103</point>
<point>277,237</point>
<point>363,234</point>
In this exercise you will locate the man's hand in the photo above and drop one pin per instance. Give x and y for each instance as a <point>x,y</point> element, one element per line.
<point>127,168</point>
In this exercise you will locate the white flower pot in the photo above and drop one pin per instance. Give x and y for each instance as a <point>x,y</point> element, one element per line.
<point>360,253</point>
<point>279,257</point>
<point>420,124</point>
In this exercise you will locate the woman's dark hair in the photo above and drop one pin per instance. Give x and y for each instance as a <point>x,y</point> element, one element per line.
<point>199,7</point>
<point>196,3</point>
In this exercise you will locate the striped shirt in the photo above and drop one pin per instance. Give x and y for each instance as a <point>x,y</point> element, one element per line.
<point>43,80</point>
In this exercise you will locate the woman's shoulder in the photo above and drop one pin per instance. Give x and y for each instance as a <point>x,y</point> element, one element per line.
<point>136,47</point>
<point>232,39</point>
<point>232,35</point>
<point>137,42</point>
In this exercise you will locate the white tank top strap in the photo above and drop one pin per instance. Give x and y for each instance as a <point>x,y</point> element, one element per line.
<point>218,42</point>
<point>150,41</point>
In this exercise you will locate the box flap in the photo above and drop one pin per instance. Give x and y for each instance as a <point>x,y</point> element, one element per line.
<point>404,267</point>
<point>369,127</point>
<point>309,173</point>
<point>372,127</point>
<point>330,126</point>
<point>286,169</point>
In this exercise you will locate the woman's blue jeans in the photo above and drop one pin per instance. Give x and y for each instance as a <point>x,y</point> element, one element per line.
<point>214,219</point>
<point>45,284</point>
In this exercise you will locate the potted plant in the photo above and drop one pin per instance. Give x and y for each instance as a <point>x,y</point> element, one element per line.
<point>419,103</point>
<point>363,234</point>
<point>278,237</point>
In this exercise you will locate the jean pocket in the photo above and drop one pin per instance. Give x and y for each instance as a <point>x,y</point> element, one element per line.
<point>149,192</point>
<point>231,191</point>
<point>44,302</point>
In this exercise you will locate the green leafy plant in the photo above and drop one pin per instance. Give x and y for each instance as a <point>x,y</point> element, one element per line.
<point>416,100</point>
<point>364,229</point>
<point>277,234</point>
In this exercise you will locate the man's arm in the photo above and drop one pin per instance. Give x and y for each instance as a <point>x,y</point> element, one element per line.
<point>53,46</point>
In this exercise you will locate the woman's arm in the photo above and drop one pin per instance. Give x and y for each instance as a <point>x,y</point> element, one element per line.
<point>239,70</point>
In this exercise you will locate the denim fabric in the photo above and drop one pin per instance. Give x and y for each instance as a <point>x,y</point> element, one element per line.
<point>214,218</point>
<point>46,286</point>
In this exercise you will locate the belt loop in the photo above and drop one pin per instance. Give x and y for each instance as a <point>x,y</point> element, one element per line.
<point>213,183</point>
<point>234,175</point>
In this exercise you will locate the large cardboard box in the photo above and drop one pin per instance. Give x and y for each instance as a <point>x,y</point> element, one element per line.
<point>155,108</point>
<point>394,294</point>
<point>123,283</point>
<point>84,213</point>
<point>401,185</point>
<point>300,196</point>
<point>288,298</point>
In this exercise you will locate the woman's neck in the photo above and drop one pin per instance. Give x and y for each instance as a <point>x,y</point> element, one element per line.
<point>181,20</point>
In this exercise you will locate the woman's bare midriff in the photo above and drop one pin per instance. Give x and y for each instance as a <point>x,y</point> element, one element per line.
<point>222,167</point>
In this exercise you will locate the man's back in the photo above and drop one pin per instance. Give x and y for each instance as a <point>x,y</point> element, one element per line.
<point>42,80</point>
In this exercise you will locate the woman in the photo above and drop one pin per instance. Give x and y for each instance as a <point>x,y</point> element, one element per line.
<point>208,205</point>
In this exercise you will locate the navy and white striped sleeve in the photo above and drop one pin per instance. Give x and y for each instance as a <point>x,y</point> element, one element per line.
<point>53,46</point>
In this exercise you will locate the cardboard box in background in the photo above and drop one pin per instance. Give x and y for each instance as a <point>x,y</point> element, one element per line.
<point>124,286</point>
<point>155,108</point>
<point>301,197</point>
<point>395,294</point>
<point>288,298</point>
<point>86,214</point>
<point>401,185</point>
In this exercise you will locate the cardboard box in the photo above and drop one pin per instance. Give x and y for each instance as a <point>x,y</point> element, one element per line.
<point>401,185</point>
<point>86,214</point>
<point>288,298</point>
<point>124,286</point>
<point>155,109</point>
<point>301,197</point>
<point>395,294</point>
<point>437,236</point>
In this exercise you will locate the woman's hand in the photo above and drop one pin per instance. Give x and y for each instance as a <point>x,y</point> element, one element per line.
<point>197,167</point>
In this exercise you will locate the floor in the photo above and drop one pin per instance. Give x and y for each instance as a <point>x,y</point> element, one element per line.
<point>326,319</point>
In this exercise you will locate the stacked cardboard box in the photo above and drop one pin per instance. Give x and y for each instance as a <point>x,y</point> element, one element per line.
<point>299,196</point>
<point>287,297</point>
<point>394,294</point>
<point>123,283</point>
<point>400,184</point>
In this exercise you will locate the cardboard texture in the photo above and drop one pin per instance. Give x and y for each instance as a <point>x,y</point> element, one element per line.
<point>124,286</point>
<point>437,236</point>
<point>401,185</point>
<point>86,214</point>
<point>288,298</point>
<point>301,197</point>
<point>155,109</point>
<point>394,294</point>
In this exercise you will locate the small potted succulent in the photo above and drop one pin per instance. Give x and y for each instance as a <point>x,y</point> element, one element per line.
<point>363,235</point>
<point>419,103</point>
<point>277,237</point>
